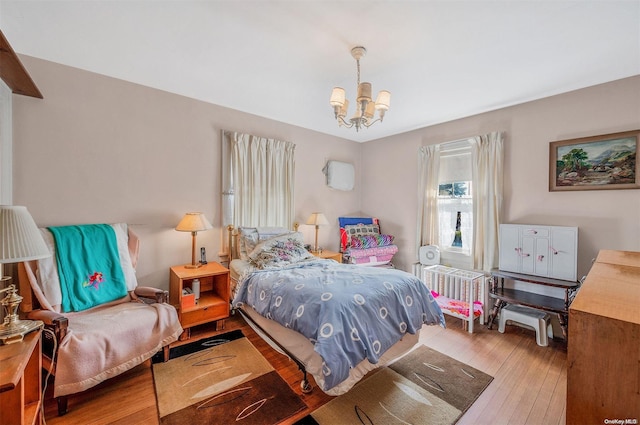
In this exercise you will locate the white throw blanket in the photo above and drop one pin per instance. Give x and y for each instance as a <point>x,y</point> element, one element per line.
<point>105,341</point>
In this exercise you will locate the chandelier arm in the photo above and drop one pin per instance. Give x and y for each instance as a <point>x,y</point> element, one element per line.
<point>341,121</point>
<point>369,124</point>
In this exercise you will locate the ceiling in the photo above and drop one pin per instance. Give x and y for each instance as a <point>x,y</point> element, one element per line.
<point>441,60</point>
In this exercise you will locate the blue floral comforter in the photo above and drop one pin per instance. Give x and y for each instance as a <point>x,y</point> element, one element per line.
<point>349,312</point>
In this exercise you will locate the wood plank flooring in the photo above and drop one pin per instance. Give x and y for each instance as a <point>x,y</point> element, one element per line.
<point>529,385</point>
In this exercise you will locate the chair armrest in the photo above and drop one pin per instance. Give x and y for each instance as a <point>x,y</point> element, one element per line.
<point>156,294</point>
<point>52,320</point>
<point>47,316</point>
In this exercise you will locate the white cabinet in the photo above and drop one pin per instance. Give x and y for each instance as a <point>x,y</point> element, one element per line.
<point>549,251</point>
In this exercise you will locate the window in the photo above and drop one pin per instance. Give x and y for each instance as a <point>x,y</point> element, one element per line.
<point>455,203</point>
<point>463,176</point>
<point>455,199</point>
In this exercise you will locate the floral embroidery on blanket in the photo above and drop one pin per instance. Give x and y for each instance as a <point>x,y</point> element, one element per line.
<point>94,281</point>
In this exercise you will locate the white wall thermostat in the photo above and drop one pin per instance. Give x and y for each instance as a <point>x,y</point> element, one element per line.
<point>429,255</point>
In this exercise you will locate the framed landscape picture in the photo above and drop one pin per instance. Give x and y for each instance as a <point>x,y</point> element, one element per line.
<point>601,162</point>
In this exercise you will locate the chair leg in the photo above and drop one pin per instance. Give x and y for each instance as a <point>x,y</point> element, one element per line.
<point>165,353</point>
<point>62,405</point>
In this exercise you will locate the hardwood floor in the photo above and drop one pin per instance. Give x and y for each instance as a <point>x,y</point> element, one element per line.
<point>529,385</point>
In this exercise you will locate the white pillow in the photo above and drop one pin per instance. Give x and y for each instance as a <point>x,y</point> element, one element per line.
<point>251,236</point>
<point>122,236</point>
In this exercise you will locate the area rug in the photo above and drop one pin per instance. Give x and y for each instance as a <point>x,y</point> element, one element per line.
<point>424,387</point>
<point>221,380</point>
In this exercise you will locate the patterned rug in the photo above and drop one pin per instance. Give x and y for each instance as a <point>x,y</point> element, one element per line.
<point>424,387</point>
<point>221,380</point>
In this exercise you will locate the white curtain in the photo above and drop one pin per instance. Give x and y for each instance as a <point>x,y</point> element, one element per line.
<point>258,181</point>
<point>487,169</point>
<point>428,171</point>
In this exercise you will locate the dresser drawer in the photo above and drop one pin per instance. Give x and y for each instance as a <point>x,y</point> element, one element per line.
<point>535,231</point>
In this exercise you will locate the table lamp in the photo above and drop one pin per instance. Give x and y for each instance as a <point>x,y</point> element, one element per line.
<point>20,241</point>
<point>317,219</point>
<point>193,222</point>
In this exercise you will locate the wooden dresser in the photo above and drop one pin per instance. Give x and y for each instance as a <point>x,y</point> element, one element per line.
<point>603,353</point>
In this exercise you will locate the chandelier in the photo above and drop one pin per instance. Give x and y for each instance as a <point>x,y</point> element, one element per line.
<point>365,107</point>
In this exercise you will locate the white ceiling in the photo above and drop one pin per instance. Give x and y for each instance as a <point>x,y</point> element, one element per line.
<point>441,60</point>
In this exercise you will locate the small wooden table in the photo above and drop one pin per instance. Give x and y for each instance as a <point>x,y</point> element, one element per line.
<point>504,295</point>
<point>20,383</point>
<point>331,255</point>
<point>213,305</point>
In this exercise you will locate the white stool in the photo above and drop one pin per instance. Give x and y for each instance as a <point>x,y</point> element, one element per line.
<point>528,317</point>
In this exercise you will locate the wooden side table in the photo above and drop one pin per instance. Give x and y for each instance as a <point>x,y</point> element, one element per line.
<point>20,383</point>
<point>330,255</point>
<point>504,295</point>
<point>215,293</point>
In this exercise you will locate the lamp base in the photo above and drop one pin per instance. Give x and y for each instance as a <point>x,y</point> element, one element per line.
<point>193,266</point>
<point>15,331</point>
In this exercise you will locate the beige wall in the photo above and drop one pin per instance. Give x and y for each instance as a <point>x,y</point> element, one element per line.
<point>607,219</point>
<point>97,149</point>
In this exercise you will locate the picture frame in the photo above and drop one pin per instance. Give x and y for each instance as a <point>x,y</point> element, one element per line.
<point>603,162</point>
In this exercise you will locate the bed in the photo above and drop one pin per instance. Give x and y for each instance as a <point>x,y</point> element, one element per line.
<point>336,321</point>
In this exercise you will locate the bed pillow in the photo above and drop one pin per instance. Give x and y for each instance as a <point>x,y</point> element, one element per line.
<point>250,236</point>
<point>279,251</point>
<point>246,234</point>
<point>352,230</point>
<point>348,221</point>
<point>371,241</point>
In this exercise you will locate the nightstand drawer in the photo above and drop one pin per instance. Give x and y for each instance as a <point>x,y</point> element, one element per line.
<point>204,315</point>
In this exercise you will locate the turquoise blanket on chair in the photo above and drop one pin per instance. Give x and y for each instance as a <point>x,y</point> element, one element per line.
<point>88,266</point>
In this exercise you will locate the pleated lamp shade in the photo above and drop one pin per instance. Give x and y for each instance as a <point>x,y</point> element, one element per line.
<point>21,239</point>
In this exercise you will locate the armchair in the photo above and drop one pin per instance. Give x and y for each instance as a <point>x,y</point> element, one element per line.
<point>103,341</point>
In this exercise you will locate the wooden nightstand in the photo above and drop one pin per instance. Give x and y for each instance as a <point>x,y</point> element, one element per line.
<point>213,305</point>
<point>330,255</point>
<point>20,384</point>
